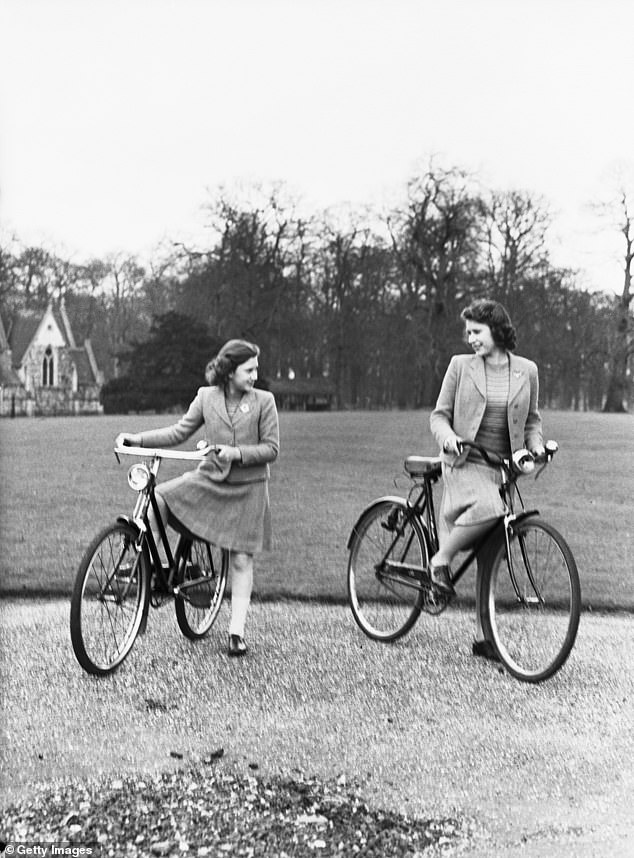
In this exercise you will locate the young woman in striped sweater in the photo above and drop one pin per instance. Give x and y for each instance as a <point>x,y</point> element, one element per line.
<point>490,397</point>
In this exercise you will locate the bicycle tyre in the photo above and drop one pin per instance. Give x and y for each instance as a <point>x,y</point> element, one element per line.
<point>210,563</point>
<point>533,632</point>
<point>385,610</point>
<point>108,601</point>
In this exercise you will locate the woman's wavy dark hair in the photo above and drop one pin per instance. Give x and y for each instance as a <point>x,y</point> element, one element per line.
<point>494,315</point>
<point>230,356</point>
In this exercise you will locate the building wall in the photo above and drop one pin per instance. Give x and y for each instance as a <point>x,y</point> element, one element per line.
<point>13,401</point>
<point>49,402</point>
<point>65,397</point>
<point>31,369</point>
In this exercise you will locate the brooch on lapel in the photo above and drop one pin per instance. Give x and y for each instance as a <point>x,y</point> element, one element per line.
<point>518,373</point>
<point>244,407</point>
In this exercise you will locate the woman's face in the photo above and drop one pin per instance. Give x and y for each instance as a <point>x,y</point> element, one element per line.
<point>244,376</point>
<point>480,338</point>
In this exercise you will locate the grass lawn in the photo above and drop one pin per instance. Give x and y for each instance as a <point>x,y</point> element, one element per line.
<point>60,483</point>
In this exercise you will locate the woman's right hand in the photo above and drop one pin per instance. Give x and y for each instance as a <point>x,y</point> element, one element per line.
<point>452,445</point>
<point>127,439</point>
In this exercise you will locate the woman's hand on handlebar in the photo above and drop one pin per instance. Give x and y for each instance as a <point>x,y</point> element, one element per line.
<point>127,439</point>
<point>225,453</point>
<point>452,444</point>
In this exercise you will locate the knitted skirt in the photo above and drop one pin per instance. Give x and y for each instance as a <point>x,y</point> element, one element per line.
<point>235,516</point>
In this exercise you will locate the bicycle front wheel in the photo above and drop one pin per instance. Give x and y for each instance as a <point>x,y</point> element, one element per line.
<point>108,600</point>
<point>202,586</point>
<point>388,553</point>
<point>532,604</point>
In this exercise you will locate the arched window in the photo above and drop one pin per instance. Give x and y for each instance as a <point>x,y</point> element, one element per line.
<point>48,367</point>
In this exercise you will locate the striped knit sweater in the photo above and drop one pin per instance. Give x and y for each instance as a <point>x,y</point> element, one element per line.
<point>494,431</point>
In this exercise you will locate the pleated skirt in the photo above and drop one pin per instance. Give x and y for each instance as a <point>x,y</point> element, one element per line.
<point>235,516</point>
<point>471,494</point>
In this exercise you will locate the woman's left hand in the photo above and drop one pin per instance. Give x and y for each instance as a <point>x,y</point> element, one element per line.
<point>227,454</point>
<point>538,451</point>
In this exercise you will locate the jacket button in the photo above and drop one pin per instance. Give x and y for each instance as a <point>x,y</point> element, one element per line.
<point>515,420</point>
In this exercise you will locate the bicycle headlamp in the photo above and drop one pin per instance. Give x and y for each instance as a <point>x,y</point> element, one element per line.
<point>138,477</point>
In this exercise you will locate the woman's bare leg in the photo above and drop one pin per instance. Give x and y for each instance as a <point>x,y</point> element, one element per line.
<point>458,539</point>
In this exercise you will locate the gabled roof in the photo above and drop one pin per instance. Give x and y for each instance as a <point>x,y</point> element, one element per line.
<point>8,376</point>
<point>4,343</point>
<point>22,329</point>
<point>85,374</point>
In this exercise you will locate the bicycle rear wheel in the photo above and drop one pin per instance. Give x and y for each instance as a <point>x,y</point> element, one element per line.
<point>108,600</point>
<point>386,600</point>
<point>531,611</point>
<point>203,582</point>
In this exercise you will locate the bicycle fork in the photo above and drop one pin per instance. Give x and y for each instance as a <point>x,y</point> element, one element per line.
<point>537,598</point>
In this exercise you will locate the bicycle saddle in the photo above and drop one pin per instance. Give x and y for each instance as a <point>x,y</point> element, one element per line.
<point>421,466</point>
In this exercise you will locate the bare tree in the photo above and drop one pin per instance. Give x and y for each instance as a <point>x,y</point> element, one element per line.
<point>515,226</point>
<point>436,250</point>
<point>124,284</point>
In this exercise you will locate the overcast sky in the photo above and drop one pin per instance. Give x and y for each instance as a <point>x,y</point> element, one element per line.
<point>117,117</point>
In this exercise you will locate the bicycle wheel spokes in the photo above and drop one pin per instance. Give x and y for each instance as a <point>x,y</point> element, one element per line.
<point>533,608</point>
<point>387,556</point>
<point>108,600</point>
<point>202,587</point>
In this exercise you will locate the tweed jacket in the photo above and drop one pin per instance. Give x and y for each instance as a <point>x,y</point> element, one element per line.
<point>462,402</point>
<point>254,430</point>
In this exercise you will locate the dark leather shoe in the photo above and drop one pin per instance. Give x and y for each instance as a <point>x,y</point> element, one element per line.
<point>441,579</point>
<point>484,649</point>
<point>237,646</point>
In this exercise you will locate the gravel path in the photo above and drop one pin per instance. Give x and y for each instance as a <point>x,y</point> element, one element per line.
<point>319,742</point>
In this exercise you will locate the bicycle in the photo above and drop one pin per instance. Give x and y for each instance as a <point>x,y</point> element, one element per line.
<point>530,597</point>
<point>121,574</point>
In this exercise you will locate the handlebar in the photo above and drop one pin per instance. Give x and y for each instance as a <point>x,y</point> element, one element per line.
<point>156,453</point>
<point>522,462</point>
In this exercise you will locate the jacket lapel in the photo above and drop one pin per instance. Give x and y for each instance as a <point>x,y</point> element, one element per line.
<point>479,376</point>
<point>245,408</point>
<point>518,377</point>
<point>217,401</point>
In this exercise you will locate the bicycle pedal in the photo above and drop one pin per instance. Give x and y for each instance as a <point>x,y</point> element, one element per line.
<point>391,523</point>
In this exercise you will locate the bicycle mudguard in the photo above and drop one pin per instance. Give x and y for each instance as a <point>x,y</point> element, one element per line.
<point>126,519</point>
<point>526,514</point>
<point>386,499</point>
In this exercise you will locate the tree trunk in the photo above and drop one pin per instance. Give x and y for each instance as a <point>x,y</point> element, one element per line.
<point>618,382</point>
<point>617,392</point>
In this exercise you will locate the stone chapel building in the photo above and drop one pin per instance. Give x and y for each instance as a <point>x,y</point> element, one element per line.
<point>42,370</point>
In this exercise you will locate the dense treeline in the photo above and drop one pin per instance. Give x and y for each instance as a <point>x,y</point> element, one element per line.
<point>369,300</point>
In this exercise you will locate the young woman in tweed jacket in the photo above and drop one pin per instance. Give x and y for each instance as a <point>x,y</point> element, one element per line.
<point>490,397</point>
<point>226,499</point>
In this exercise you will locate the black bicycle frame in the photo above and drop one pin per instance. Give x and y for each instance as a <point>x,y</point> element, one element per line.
<point>423,511</point>
<point>146,534</point>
